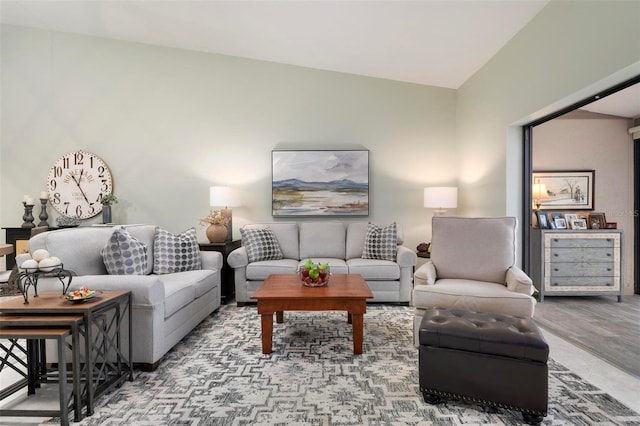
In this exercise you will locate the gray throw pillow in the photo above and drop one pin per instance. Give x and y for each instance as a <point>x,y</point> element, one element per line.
<point>124,254</point>
<point>381,243</point>
<point>261,244</point>
<point>175,253</point>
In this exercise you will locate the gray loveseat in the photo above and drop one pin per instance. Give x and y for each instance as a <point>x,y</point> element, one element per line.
<point>338,243</point>
<point>165,307</point>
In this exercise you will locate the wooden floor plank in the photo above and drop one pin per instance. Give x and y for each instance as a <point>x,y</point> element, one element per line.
<point>598,324</point>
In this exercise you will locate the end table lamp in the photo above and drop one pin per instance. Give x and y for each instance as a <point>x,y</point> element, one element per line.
<point>539,193</point>
<point>441,198</point>
<point>225,196</point>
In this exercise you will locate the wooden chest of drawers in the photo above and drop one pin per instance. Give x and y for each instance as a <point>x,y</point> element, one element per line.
<point>577,263</point>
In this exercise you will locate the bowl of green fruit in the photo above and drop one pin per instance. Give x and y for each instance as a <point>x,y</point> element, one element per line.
<point>314,274</point>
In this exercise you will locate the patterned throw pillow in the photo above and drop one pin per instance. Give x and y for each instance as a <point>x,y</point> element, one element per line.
<point>175,253</point>
<point>381,243</point>
<point>261,244</point>
<point>124,255</point>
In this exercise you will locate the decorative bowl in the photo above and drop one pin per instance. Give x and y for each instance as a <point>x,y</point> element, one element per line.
<point>82,295</point>
<point>314,275</point>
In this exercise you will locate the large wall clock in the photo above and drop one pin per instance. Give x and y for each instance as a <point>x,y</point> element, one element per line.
<point>76,182</point>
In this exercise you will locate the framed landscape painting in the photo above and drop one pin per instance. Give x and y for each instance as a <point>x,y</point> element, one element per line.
<point>566,190</point>
<point>320,183</point>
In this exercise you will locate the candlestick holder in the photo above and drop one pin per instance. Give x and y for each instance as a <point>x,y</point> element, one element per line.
<point>28,216</point>
<point>43,213</point>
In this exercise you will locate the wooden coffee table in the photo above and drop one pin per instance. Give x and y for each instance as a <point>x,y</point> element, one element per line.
<point>284,292</point>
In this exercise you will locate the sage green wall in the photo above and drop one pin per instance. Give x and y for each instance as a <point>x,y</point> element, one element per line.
<point>172,122</point>
<point>569,51</point>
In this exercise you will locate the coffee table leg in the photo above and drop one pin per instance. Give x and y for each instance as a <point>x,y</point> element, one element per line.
<point>358,331</point>
<point>267,332</point>
<point>349,319</point>
<point>279,317</point>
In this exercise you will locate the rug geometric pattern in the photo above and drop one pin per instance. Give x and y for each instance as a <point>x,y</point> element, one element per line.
<point>218,375</point>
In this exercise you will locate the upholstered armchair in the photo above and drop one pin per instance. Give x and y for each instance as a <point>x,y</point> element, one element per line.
<point>473,267</point>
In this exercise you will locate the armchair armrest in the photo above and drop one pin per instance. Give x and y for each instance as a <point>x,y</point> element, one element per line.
<point>425,275</point>
<point>238,258</point>
<point>406,257</point>
<point>519,282</point>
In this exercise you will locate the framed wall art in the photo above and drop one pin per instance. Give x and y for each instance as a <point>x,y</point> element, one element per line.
<point>320,183</point>
<point>566,190</point>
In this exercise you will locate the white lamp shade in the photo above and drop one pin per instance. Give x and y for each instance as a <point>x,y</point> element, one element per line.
<point>223,196</point>
<point>441,197</point>
<point>539,191</point>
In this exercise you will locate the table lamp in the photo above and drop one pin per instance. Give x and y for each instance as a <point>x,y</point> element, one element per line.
<point>539,193</point>
<point>441,198</point>
<point>226,197</point>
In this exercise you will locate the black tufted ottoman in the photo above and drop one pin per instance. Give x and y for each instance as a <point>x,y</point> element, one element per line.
<point>488,358</point>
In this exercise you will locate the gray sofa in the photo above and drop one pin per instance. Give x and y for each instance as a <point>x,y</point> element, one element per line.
<point>338,243</point>
<point>165,307</point>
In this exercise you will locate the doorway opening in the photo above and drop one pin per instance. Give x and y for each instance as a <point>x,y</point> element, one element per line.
<point>528,170</point>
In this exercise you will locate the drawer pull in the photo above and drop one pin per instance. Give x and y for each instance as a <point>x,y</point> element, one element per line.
<point>608,269</point>
<point>609,254</point>
<point>555,269</point>
<point>555,255</point>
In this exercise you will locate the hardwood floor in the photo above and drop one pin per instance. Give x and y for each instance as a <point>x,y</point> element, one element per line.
<point>599,325</point>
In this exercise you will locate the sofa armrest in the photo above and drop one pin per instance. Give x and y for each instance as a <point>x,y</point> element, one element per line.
<point>426,274</point>
<point>238,258</point>
<point>211,260</point>
<point>519,282</point>
<point>406,257</point>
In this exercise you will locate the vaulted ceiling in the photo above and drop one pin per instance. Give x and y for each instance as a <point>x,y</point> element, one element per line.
<point>438,43</point>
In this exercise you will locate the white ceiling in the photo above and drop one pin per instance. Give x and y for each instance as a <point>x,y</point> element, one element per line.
<point>439,43</point>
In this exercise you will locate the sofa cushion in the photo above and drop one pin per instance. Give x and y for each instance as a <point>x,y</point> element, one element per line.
<point>175,253</point>
<point>322,239</point>
<point>178,294</point>
<point>381,243</point>
<point>261,244</point>
<point>473,248</point>
<point>372,269</point>
<point>477,296</point>
<point>124,254</point>
<point>287,235</point>
<point>202,280</point>
<point>261,270</point>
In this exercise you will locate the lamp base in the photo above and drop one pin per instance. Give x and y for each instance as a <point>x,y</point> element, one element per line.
<point>229,215</point>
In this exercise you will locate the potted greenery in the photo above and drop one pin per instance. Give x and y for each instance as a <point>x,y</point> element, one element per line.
<point>107,200</point>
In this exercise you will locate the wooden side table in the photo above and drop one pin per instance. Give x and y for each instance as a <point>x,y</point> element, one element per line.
<point>228,290</point>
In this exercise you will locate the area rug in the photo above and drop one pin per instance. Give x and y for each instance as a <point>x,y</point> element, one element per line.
<point>218,376</point>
